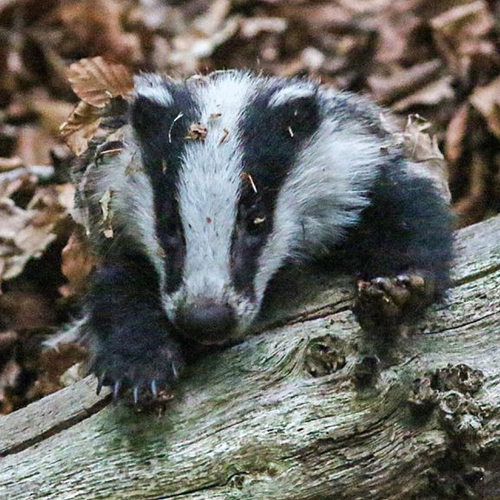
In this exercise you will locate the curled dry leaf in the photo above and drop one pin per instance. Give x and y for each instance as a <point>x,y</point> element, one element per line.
<point>96,81</point>
<point>107,212</point>
<point>423,149</point>
<point>197,132</point>
<point>80,127</point>
<point>73,374</point>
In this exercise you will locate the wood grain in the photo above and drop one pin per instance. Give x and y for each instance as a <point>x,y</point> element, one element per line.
<point>253,423</point>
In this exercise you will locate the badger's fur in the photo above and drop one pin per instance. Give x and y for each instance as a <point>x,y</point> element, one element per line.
<point>197,224</point>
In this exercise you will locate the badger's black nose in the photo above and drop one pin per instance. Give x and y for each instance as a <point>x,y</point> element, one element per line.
<point>206,322</point>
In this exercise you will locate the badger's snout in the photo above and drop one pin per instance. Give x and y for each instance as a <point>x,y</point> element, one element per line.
<point>206,322</point>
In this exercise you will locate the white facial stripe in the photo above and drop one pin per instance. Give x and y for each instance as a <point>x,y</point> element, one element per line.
<point>136,198</point>
<point>323,195</point>
<point>209,184</point>
<point>130,202</point>
<point>296,91</point>
<point>152,87</point>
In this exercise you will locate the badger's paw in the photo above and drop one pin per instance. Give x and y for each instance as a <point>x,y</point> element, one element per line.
<point>390,302</point>
<point>139,375</point>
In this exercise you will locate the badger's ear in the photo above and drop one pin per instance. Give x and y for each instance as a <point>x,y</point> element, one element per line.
<point>299,92</point>
<point>156,88</point>
<point>151,106</point>
<point>146,116</point>
<point>298,108</point>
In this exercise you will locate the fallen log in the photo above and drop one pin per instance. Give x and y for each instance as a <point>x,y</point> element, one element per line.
<point>309,410</point>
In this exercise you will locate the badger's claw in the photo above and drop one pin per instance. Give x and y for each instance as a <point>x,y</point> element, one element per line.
<point>116,389</point>
<point>100,382</point>
<point>154,388</point>
<point>136,395</point>
<point>140,377</point>
<point>389,302</point>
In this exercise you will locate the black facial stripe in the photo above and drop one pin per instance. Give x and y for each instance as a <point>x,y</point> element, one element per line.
<point>161,131</point>
<point>272,137</point>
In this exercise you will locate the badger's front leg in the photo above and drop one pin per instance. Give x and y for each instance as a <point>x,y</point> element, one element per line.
<point>133,347</point>
<point>404,249</point>
<point>384,303</point>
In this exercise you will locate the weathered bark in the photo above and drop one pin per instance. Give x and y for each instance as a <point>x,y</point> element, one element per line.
<point>254,423</point>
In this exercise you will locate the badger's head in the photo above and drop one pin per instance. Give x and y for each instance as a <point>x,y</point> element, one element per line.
<point>279,174</point>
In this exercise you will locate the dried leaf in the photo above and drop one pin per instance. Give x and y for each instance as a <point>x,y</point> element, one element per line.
<point>436,92</point>
<point>386,89</point>
<point>53,363</point>
<point>52,112</point>
<point>197,132</point>
<point>423,149</point>
<point>399,28</point>
<point>73,374</point>
<point>77,264</point>
<point>212,20</point>
<point>7,164</point>
<point>473,207</point>
<point>9,381</point>
<point>25,310</point>
<point>458,30</point>
<point>455,134</point>
<point>26,233</point>
<point>209,31</point>
<point>107,212</point>
<point>487,101</point>
<point>99,27</point>
<point>34,144</point>
<point>80,127</point>
<point>96,81</point>
<point>253,26</point>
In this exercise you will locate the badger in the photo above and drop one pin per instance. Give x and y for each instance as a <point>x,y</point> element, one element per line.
<point>215,185</point>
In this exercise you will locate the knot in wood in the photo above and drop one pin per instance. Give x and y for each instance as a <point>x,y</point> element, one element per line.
<point>423,398</point>
<point>367,370</point>
<point>461,378</point>
<point>460,415</point>
<point>325,355</point>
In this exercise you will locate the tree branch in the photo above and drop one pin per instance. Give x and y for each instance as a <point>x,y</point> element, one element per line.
<point>311,410</point>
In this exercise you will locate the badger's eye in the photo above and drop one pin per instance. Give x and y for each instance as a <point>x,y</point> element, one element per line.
<point>256,224</point>
<point>170,229</point>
